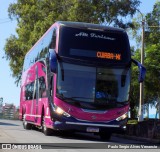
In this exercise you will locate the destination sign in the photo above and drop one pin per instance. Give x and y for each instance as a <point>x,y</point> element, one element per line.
<point>95,54</point>
<point>107,55</point>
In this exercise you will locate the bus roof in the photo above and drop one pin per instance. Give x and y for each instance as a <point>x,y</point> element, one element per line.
<point>80,25</point>
<point>89,26</point>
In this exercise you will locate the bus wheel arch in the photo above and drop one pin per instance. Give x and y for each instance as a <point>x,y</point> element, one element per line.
<point>26,125</point>
<point>45,130</point>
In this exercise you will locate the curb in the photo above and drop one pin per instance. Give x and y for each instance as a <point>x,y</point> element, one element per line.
<point>149,140</point>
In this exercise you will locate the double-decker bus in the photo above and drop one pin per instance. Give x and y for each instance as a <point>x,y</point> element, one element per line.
<point>77,77</point>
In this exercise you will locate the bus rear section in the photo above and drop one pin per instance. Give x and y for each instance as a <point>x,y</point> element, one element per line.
<point>86,77</point>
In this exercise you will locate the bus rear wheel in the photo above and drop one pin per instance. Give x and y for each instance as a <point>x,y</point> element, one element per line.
<point>26,125</point>
<point>45,130</point>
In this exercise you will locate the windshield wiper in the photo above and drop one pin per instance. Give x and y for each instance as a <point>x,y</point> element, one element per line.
<point>122,103</point>
<point>69,99</point>
<point>80,98</point>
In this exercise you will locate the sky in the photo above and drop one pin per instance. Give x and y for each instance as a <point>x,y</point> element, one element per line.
<point>8,89</point>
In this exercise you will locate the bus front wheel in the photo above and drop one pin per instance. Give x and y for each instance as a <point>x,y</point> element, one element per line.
<point>45,130</point>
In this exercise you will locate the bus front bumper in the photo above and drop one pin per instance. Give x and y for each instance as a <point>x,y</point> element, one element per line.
<point>95,127</point>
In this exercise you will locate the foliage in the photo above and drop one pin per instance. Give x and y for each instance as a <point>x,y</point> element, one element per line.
<point>151,61</point>
<point>134,91</point>
<point>36,16</point>
<point>153,25</point>
<point>152,54</point>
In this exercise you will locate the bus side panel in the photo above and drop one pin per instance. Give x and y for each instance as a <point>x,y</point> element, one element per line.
<point>41,101</point>
<point>21,103</point>
<point>33,108</point>
<point>27,89</point>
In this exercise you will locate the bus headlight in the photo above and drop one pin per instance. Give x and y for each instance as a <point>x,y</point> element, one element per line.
<point>124,116</point>
<point>60,111</point>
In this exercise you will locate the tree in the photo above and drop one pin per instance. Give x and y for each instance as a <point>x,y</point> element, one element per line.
<point>152,59</point>
<point>134,91</point>
<point>151,62</point>
<point>36,16</point>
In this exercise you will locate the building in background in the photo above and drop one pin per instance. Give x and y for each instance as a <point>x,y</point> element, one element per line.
<point>9,111</point>
<point>1,107</point>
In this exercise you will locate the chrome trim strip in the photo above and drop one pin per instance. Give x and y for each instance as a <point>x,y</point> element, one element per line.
<point>94,111</point>
<point>39,116</point>
<point>48,117</point>
<point>91,124</point>
<point>33,115</point>
<point>92,120</point>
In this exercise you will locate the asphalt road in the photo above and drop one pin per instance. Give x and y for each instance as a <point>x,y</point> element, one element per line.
<point>11,131</point>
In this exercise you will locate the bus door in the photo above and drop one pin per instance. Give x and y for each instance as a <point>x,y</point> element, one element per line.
<point>36,94</point>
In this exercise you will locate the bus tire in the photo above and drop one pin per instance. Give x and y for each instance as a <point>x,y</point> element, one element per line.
<point>105,136</point>
<point>45,130</point>
<point>26,125</point>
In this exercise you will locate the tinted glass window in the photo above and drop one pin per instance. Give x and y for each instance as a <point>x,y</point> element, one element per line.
<point>42,88</point>
<point>29,89</point>
<point>93,88</point>
<point>93,44</point>
<point>40,50</point>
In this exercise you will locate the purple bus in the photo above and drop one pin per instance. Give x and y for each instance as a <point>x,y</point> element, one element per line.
<point>77,78</point>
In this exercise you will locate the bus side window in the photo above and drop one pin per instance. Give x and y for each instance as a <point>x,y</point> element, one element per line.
<point>53,40</point>
<point>52,85</point>
<point>42,88</point>
<point>29,88</point>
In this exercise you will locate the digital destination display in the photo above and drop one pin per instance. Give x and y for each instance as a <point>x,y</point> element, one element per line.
<point>95,54</point>
<point>107,55</point>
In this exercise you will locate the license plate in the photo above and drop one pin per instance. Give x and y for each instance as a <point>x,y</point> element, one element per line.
<point>91,129</point>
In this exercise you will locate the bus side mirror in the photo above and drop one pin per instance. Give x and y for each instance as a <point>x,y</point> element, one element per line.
<point>142,71</point>
<point>52,60</point>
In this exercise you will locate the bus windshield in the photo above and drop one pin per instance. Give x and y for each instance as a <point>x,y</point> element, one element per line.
<point>93,87</point>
